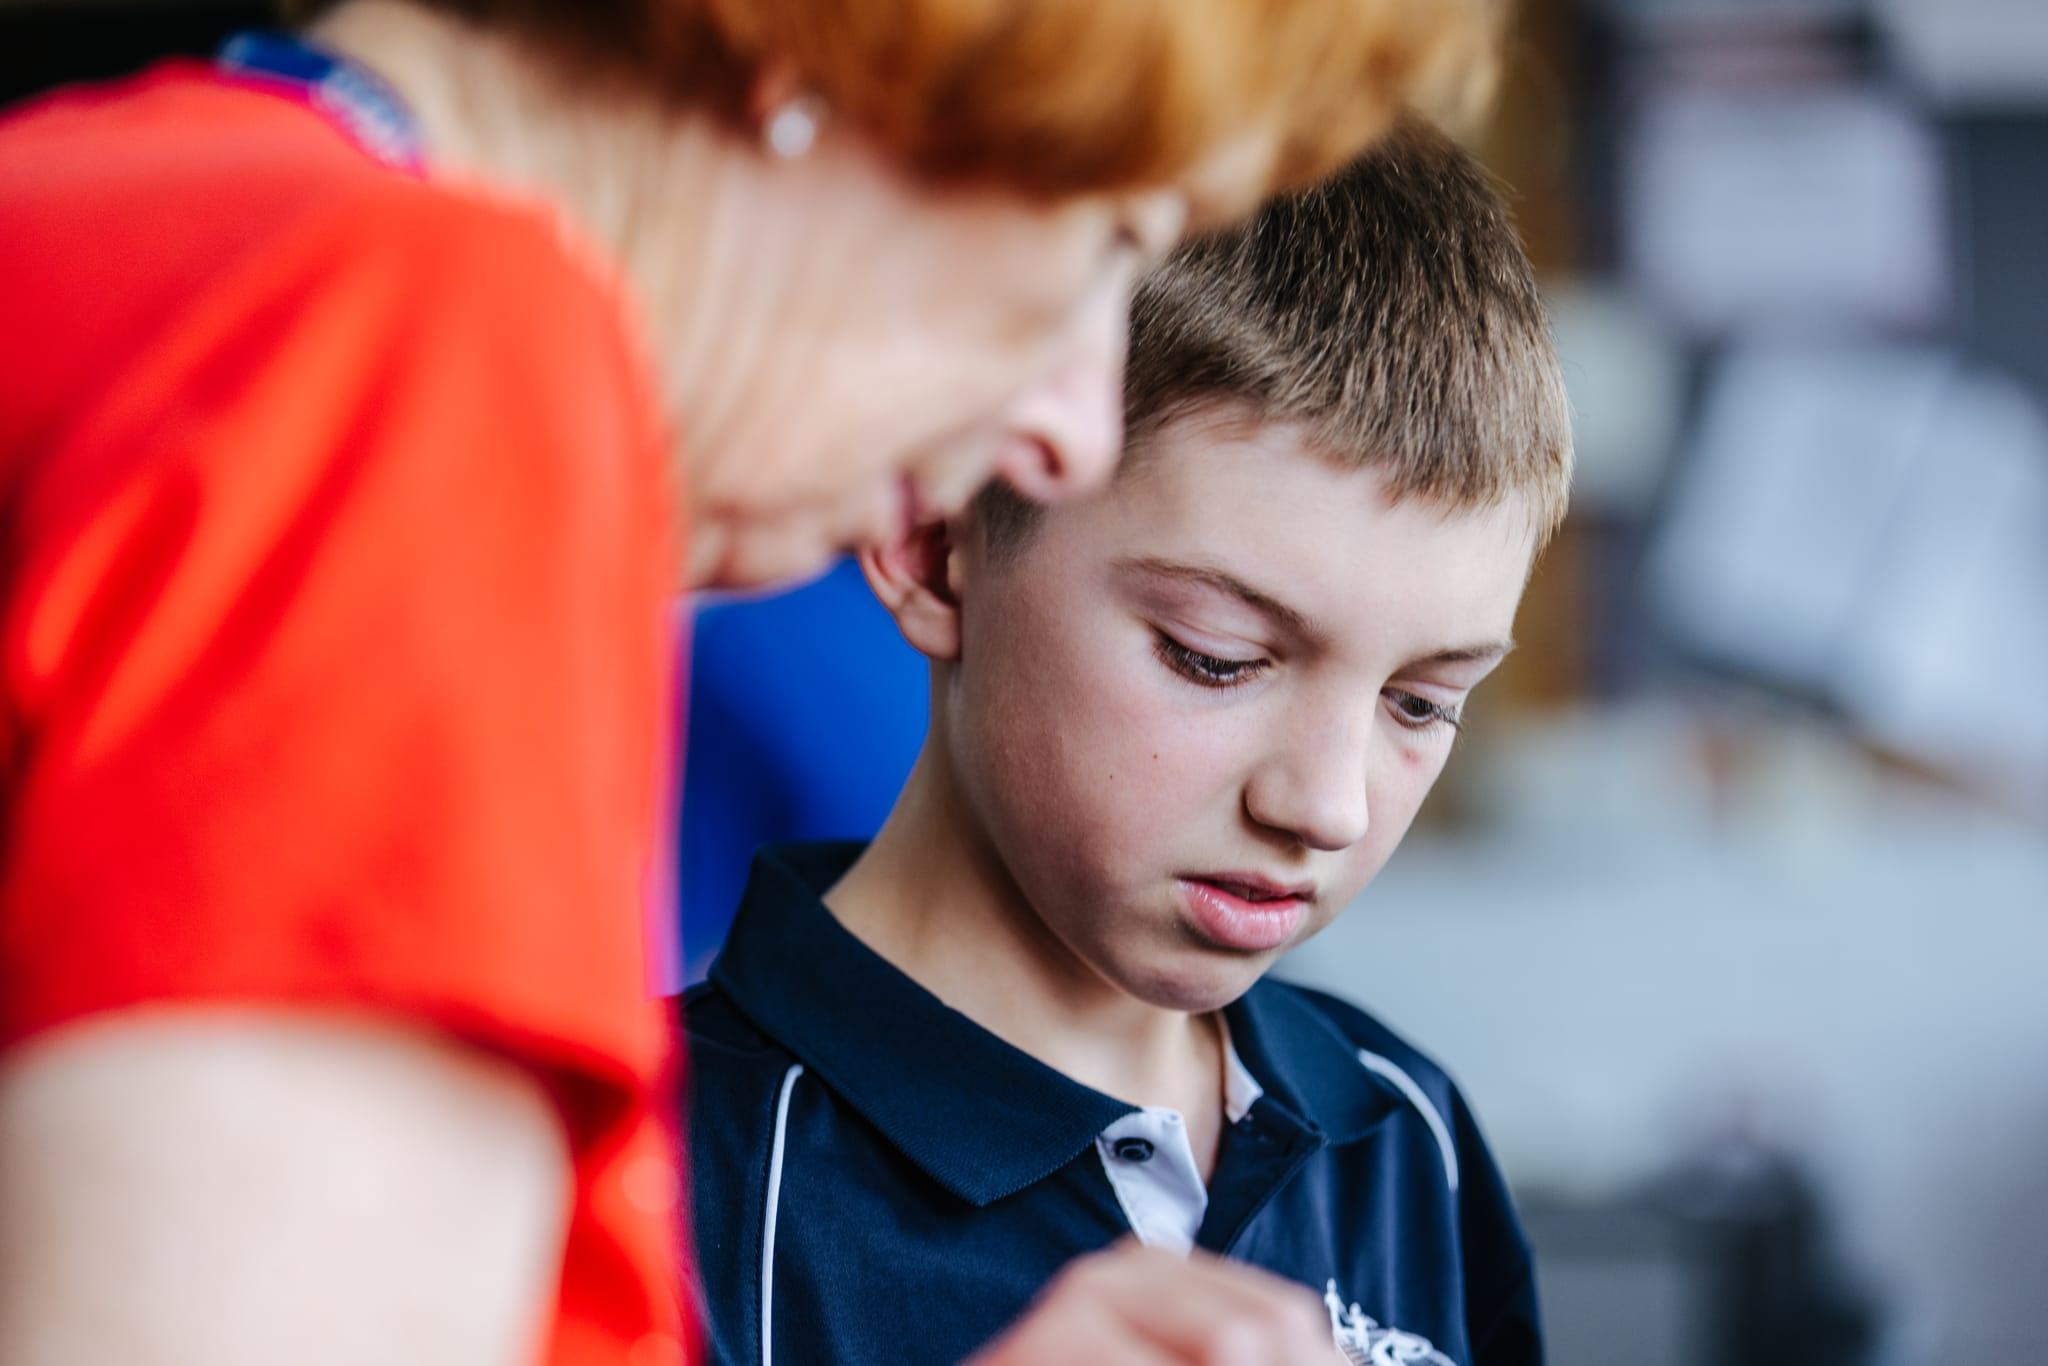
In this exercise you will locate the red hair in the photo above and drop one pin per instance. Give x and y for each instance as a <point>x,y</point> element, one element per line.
<point>1057,97</point>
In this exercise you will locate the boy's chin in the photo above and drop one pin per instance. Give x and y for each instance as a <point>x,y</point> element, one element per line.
<point>1191,985</point>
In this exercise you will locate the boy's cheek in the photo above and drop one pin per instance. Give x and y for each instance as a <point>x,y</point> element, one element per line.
<point>1393,805</point>
<point>1129,803</point>
<point>1132,789</point>
<point>1070,784</point>
<point>1176,777</point>
<point>1091,745</point>
<point>1128,725</point>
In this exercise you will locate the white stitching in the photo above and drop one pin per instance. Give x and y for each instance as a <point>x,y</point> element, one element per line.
<point>768,1220</point>
<point>1391,1070</point>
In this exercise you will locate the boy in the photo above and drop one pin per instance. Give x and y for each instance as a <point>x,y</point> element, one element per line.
<point>1174,731</point>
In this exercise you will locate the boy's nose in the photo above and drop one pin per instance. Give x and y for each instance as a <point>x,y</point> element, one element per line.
<point>1063,434</point>
<point>1317,794</point>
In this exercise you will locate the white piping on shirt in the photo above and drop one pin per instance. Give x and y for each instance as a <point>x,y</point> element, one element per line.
<point>768,1220</point>
<point>1241,1090</point>
<point>1405,1084</point>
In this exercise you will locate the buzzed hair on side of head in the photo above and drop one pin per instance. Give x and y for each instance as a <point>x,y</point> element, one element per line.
<point>1389,311</point>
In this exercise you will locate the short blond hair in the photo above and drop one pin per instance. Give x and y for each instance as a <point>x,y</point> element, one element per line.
<point>1390,312</point>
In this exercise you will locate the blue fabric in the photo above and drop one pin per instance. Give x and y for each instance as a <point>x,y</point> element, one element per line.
<point>806,711</point>
<point>366,106</point>
<point>934,1178</point>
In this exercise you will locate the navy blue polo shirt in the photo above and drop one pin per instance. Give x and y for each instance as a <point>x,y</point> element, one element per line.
<point>878,1179</point>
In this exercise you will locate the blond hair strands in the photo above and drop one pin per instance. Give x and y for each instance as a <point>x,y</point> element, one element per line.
<point>1390,312</point>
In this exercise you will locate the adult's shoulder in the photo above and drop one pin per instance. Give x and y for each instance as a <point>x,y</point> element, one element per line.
<point>216,178</point>
<point>199,162</point>
<point>467,254</point>
<point>180,243</point>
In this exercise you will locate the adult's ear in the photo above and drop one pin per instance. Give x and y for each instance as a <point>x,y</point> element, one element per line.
<point>918,577</point>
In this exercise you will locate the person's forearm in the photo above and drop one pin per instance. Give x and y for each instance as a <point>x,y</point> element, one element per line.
<point>257,1187</point>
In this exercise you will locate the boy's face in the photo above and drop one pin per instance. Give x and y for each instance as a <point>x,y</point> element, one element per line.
<point>1194,716</point>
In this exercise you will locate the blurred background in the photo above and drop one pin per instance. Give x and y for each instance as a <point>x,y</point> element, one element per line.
<point>1733,914</point>
<point>1732,910</point>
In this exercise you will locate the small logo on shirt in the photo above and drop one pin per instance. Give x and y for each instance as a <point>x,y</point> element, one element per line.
<point>1365,1343</point>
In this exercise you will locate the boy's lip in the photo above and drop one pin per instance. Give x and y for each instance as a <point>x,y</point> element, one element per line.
<point>1245,912</point>
<point>1256,887</point>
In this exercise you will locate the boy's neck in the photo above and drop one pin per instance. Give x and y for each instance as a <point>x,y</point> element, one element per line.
<point>932,897</point>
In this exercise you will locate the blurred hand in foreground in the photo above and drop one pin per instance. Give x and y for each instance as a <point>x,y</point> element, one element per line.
<point>1134,1306</point>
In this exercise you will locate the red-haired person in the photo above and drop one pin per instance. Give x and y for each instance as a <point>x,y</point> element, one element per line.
<point>367,396</point>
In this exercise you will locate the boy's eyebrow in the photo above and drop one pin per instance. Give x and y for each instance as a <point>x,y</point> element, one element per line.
<point>1212,577</point>
<point>1471,654</point>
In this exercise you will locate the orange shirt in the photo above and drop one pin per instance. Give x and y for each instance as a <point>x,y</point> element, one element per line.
<point>335,567</point>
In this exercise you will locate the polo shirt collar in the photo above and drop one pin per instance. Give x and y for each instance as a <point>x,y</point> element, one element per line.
<point>1307,1064</point>
<point>981,1117</point>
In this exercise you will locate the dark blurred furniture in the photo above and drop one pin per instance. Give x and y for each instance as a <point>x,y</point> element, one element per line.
<point>1726,1261</point>
<point>48,44</point>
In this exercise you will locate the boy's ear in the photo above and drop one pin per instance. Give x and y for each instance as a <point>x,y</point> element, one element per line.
<point>918,578</point>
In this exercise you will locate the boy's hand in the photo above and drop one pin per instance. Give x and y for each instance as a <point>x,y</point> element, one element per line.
<point>1133,1306</point>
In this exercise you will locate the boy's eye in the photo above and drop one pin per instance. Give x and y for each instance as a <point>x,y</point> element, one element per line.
<point>1207,670</point>
<point>1419,713</point>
